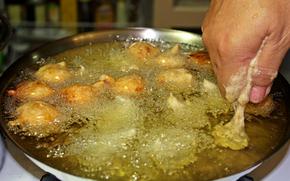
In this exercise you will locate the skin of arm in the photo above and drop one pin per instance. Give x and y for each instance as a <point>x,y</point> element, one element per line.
<point>233,32</point>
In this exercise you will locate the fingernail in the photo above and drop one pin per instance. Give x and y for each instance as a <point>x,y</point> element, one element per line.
<point>257,94</point>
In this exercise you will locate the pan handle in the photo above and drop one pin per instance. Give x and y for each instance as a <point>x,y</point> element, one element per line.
<point>6,31</point>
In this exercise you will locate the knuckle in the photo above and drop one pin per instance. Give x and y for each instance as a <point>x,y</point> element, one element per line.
<point>264,76</point>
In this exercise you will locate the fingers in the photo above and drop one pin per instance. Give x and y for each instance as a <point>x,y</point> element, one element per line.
<point>258,93</point>
<point>269,62</point>
<point>230,59</point>
<point>233,34</point>
<point>231,50</point>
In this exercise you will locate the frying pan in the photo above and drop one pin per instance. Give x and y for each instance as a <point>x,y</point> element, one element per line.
<point>30,59</point>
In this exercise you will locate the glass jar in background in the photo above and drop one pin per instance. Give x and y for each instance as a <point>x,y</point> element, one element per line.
<point>85,15</point>
<point>53,12</point>
<point>104,14</point>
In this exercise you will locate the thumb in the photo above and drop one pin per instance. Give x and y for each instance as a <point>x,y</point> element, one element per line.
<point>269,61</point>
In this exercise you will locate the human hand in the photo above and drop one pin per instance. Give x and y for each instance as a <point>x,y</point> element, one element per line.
<point>233,32</point>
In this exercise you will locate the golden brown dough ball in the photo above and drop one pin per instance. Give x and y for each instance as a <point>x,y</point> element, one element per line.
<point>78,94</point>
<point>171,58</point>
<point>37,118</point>
<point>53,73</point>
<point>143,50</point>
<point>176,79</point>
<point>129,85</point>
<point>107,80</point>
<point>31,90</point>
<point>264,108</point>
<point>200,59</point>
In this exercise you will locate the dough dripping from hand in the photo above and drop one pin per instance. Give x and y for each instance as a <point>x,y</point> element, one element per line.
<point>232,134</point>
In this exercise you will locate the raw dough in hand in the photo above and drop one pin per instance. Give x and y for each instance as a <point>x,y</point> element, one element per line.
<point>232,134</point>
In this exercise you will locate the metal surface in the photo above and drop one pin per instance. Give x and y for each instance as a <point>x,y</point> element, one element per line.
<point>29,61</point>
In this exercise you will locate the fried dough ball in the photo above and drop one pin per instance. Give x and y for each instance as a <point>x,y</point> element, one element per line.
<point>264,108</point>
<point>79,94</point>
<point>31,90</point>
<point>143,50</point>
<point>129,85</point>
<point>171,58</point>
<point>105,82</point>
<point>201,59</point>
<point>53,73</point>
<point>176,79</point>
<point>37,118</point>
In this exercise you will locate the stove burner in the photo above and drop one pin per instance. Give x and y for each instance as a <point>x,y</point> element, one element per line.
<point>49,177</point>
<point>245,178</point>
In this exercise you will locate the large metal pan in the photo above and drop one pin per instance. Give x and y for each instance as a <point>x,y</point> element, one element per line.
<point>28,61</point>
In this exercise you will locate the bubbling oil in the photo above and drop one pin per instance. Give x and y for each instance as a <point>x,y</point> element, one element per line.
<point>159,134</point>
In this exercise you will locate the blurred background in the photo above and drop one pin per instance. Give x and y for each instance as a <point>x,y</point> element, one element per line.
<point>39,21</point>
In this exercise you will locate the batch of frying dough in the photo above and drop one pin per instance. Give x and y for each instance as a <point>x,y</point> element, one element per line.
<point>36,117</point>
